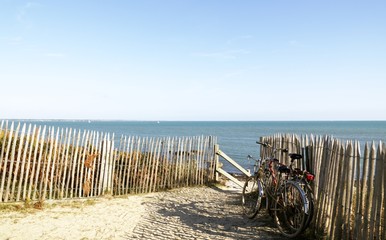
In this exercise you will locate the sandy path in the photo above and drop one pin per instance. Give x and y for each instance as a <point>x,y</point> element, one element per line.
<point>106,219</point>
<point>187,213</point>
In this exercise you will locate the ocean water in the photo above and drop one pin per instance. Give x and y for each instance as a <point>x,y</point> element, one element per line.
<point>236,139</point>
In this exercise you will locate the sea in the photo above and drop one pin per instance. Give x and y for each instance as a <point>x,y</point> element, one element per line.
<point>236,138</point>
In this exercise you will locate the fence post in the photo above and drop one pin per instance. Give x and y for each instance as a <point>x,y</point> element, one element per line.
<point>216,163</point>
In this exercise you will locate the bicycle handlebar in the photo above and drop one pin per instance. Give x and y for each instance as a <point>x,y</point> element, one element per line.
<point>269,146</point>
<point>263,144</point>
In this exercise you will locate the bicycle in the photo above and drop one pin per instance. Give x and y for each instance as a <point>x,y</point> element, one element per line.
<point>253,191</point>
<point>286,201</point>
<point>304,179</point>
<point>254,186</point>
<point>293,208</point>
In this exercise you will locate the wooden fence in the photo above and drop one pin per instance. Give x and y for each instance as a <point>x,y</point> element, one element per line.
<point>38,163</point>
<point>349,186</point>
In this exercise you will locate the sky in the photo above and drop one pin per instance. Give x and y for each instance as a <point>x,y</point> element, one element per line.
<point>193,60</point>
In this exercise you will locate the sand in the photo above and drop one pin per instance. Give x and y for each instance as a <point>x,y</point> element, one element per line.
<point>186,213</point>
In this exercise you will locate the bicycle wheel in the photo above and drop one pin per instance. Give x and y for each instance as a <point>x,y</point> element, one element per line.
<point>310,198</point>
<point>270,189</point>
<point>252,195</point>
<point>291,209</point>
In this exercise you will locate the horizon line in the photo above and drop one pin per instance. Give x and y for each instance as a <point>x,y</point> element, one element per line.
<point>160,120</point>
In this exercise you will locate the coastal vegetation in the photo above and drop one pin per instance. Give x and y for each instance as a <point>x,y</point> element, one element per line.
<point>40,163</point>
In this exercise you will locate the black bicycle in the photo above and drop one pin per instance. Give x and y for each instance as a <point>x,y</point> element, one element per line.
<point>304,179</point>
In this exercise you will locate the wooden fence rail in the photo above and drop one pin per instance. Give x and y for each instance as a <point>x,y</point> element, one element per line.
<point>349,186</point>
<point>38,163</point>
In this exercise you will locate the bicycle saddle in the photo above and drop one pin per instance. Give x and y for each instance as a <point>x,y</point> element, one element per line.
<point>284,169</point>
<point>294,156</point>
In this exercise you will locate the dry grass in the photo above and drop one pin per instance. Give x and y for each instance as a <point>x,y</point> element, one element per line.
<point>30,207</point>
<point>18,207</point>
<point>74,203</point>
<point>90,160</point>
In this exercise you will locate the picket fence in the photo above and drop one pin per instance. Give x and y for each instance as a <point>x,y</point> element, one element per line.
<point>349,187</point>
<point>39,163</point>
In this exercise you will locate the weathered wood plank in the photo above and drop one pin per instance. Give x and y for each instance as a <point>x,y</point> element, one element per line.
<point>189,162</point>
<point>103,175</point>
<point>54,165</point>
<point>348,172</point>
<point>383,234</point>
<point>147,165</point>
<point>59,164</point>
<point>157,180</point>
<point>120,159</point>
<point>137,165</point>
<point>201,159</point>
<point>23,163</point>
<point>16,174</point>
<point>29,160</point>
<point>38,174</point>
<point>167,163</point>
<point>90,165</point>
<point>96,190</point>
<point>152,164</point>
<point>111,164</point>
<point>71,161</point>
<point>377,198</point>
<point>230,177</point>
<point>234,163</point>
<point>335,228</point>
<point>358,192</point>
<point>74,163</point>
<point>3,159</point>
<point>68,159</point>
<point>370,194</point>
<point>48,160</point>
<point>81,164</point>
<point>328,192</point>
<point>131,164</point>
<point>11,161</point>
<point>181,154</point>
<point>364,190</point>
<point>33,159</point>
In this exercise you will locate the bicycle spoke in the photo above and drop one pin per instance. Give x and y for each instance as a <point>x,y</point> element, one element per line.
<point>252,196</point>
<point>289,213</point>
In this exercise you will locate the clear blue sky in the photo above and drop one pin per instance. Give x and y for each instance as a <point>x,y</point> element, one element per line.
<point>193,60</point>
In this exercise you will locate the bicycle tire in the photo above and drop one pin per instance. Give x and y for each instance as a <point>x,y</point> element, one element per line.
<point>252,195</point>
<point>291,209</point>
<point>310,215</point>
<point>310,197</point>
<point>270,189</point>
